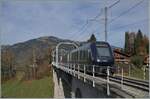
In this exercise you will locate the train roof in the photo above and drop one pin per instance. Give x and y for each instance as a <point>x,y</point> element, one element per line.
<point>87,45</point>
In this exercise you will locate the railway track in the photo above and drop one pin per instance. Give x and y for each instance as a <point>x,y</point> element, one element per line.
<point>139,84</point>
<point>137,81</point>
<point>132,82</point>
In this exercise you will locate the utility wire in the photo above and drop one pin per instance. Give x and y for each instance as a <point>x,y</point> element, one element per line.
<point>144,20</point>
<point>113,4</point>
<point>93,31</point>
<point>85,33</point>
<point>81,29</point>
<point>128,25</point>
<point>94,19</point>
<point>90,21</point>
<point>85,26</point>
<point>126,11</point>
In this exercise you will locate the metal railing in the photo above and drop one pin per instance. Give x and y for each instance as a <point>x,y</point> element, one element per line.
<point>132,71</point>
<point>76,71</point>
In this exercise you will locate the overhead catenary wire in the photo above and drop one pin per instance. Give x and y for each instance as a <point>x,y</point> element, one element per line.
<point>106,18</point>
<point>114,4</point>
<point>96,31</point>
<point>134,23</point>
<point>131,24</point>
<point>85,26</point>
<point>94,19</point>
<point>81,29</point>
<point>128,10</point>
<point>85,34</point>
<point>89,21</point>
<point>123,13</point>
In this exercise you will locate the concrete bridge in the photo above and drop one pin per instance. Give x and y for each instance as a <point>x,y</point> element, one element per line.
<point>72,83</point>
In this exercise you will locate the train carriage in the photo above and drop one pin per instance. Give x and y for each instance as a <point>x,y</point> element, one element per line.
<point>98,54</point>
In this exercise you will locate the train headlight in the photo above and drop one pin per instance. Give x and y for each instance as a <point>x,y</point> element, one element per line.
<point>98,60</point>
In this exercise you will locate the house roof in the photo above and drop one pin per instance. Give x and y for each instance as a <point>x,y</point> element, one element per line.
<point>116,51</point>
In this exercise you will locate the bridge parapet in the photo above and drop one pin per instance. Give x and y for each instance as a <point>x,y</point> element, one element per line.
<point>120,87</point>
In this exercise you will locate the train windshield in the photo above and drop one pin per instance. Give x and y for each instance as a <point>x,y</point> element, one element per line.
<point>103,51</point>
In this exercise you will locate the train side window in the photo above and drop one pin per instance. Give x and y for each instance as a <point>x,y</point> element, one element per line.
<point>76,56</point>
<point>90,56</point>
<point>86,55</point>
<point>80,55</point>
<point>83,55</point>
<point>72,57</point>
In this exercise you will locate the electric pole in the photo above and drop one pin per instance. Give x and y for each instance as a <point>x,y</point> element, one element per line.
<point>106,19</point>
<point>105,24</point>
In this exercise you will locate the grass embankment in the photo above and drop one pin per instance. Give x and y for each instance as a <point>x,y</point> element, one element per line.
<point>135,72</point>
<point>42,88</point>
<point>139,73</point>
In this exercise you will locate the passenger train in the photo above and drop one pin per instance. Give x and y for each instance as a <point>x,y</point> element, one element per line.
<point>98,54</point>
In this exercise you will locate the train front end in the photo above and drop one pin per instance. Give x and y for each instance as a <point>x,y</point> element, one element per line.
<point>102,57</point>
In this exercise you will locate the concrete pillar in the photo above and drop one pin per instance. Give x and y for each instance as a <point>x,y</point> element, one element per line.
<point>72,94</point>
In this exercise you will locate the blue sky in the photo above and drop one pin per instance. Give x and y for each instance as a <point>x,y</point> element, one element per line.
<point>21,20</point>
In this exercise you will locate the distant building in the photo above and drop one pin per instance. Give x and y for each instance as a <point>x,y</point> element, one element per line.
<point>146,60</point>
<point>121,57</point>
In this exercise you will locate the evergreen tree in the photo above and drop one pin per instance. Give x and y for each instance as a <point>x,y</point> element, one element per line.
<point>139,36</point>
<point>146,44</point>
<point>132,39</point>
<point>138,41</point>
<point>92,38</point>
<point>126,47</point>
<point>141,47</point>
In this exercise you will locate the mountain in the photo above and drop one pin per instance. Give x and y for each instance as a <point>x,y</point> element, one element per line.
<point>23,52</point>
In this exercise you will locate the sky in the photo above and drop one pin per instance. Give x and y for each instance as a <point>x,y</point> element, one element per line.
<point>22,20</point>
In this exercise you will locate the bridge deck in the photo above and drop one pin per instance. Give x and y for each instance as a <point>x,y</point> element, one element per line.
<point>128,91</point>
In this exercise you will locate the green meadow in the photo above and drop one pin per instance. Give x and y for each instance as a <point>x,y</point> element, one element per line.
<point>42,88</point>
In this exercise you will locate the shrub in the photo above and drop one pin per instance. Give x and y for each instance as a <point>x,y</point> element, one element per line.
<point>137,61</point>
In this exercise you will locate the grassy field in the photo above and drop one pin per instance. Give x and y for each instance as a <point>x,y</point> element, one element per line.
<point>42,88</point>
<point>134,72</point>
<point>139,73</point>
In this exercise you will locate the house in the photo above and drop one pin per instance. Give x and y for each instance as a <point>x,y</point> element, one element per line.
<point>121,57</point>
<point>146,60</point>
